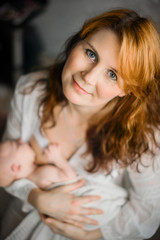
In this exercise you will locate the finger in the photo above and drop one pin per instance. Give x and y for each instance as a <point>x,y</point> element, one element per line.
<point>77,208</point>
<point>71,187</point>
<point>51,223</point>
<point>68,230</point>
<point>58,226</point>
<point>88,199</point>
<point>54,223</point>
<point>80,219</point>
<point>42,217</point>
<point>46,151</point>
<point>78,224</point>
<point>51,147</point>
<point>55,145</point>
<point>20,141</point>
<point>91,211</point>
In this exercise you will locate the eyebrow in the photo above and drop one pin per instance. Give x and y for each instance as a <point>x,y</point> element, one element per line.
<point>93,48</point>
<point>114,70</point>
<point>98,55</point>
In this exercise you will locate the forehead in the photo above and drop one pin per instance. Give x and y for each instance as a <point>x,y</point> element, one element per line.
<point>6,148</point>
<point>107,45</point>
<point>7,156</point>
<point>104,36</point>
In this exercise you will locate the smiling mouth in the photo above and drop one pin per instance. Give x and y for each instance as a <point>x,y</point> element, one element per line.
<point>78,88</point>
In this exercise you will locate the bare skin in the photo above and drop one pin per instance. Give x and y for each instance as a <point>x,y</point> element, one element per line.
<point>14,165</point>
<point>47,174</point>
<point>71,231</point>
<point>89,83</point>
<point>70,212</point>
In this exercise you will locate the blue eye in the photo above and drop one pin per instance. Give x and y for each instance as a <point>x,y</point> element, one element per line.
<point>91,55</point>
<point>112,75</point>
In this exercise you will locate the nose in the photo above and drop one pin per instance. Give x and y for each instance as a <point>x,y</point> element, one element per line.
<point>90,75</point>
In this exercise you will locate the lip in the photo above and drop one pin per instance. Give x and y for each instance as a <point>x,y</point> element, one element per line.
<point>79,89</point>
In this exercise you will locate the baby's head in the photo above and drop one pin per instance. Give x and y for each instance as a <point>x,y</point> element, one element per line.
<point>16,161</point>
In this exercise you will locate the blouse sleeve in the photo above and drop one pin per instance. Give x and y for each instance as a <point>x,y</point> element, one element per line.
<point>19,188</point>
<point>139,218</point>
<point>13,128</point>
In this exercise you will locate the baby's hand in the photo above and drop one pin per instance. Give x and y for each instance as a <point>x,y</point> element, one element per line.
<point>53,154</point>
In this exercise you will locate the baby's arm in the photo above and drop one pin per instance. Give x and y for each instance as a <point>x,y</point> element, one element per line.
<point>46,175</point>
<point>40,157</point>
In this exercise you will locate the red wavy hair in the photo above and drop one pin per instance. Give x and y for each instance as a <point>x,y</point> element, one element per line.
<point>123,129</point>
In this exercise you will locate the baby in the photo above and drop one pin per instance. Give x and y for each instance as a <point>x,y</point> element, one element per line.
<point>17,160</point>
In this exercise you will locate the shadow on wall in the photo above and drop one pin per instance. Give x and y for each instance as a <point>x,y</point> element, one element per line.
<point>5,97</point>
<point>33,47</point>
<point>20,46</point>
<point>18,38</point>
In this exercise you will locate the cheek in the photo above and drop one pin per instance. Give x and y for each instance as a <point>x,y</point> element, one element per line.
<point>70,62</point>
<point>109,91</point>
<point>67,70</point>
<point>74,63</point>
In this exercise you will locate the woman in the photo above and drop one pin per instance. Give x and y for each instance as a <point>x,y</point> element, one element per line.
<point>100,99</point>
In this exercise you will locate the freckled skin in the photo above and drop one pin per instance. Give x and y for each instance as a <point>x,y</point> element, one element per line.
<point>93,75</point>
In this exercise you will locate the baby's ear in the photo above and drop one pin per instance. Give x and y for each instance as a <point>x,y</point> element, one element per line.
<point>16,167</point>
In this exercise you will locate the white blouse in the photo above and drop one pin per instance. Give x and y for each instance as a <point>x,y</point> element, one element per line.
<point>138,216</point>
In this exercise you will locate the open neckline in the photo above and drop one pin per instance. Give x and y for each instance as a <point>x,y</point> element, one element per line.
<point>44,142</point>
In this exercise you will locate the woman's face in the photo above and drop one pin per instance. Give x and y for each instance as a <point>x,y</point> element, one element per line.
<point>90,75</point>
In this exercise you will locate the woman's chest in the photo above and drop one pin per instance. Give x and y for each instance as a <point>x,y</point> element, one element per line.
<point>60,135</point>
<point>66,132</point>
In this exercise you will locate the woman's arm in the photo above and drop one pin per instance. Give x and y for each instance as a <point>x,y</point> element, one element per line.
<point>70,231</point>
<point>139,217</point>
<point>59,203</point>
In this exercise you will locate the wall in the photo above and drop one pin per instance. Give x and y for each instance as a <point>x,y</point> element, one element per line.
<point>61,18</point>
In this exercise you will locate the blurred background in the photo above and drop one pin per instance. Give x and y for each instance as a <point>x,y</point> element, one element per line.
<point>32,32</point>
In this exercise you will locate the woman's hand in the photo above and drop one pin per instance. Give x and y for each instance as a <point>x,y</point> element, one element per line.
<point>60,204</point>
<point>70,231</point>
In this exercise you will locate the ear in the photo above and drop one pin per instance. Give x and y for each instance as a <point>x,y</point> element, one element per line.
<point>16,167</point>
<point>122,94</point>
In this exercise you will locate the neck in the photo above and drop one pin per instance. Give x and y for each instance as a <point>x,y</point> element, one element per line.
<point>81,114</point>
<point>76,119</point>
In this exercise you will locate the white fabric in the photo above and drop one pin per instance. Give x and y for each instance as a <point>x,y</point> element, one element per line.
<point>136,217</point>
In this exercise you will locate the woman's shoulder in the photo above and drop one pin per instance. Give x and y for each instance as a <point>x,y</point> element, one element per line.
<point>29,79</point>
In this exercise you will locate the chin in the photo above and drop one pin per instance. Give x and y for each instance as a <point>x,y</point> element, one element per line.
<point>72,97</point>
